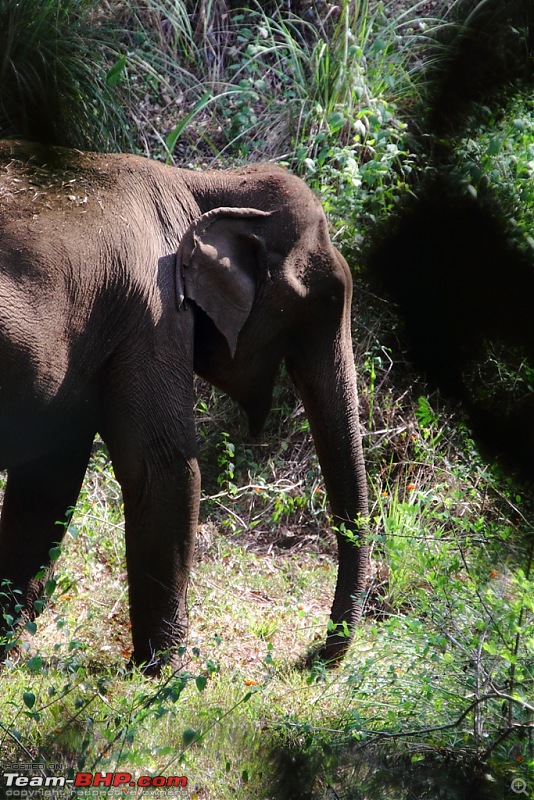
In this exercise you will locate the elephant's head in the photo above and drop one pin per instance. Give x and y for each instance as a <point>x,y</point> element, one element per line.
<point>269,285</point>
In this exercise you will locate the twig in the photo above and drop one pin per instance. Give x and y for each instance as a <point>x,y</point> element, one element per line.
<point>448,725</point>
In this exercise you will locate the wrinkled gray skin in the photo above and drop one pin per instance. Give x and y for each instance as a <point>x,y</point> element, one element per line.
<point>120,277</point>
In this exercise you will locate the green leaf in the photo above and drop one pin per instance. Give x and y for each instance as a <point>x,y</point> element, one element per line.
<point>73,531</point>
<point>336,121</point>
<point>29,699</point>
<point>189,736</point>
<point>201,682</point>
<point>54,553</point>
<point>114,75</point>
<point>494,146</point>
<point>31,627</point>
<point>424,413</point>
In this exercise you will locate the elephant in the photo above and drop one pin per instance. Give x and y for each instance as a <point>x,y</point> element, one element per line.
<point>121,277</point>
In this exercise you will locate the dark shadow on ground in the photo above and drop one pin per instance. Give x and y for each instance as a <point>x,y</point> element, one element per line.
<point>381,772</point>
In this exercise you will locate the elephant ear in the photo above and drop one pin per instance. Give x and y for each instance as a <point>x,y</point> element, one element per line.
<point>217,266</point>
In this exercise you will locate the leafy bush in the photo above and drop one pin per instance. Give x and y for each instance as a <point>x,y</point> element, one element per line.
<point>497,161</point>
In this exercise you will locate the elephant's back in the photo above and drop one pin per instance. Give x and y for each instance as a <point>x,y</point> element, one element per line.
<point>38,181</point>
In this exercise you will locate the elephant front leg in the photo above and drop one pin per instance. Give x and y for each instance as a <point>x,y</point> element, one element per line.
<point>150,431</point>
<point>161,523</point>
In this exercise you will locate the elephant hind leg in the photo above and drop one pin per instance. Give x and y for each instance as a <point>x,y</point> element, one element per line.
<point>37,498</point>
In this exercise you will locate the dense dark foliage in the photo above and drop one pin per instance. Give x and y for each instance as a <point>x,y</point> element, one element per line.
<point>453,261</point>
<point>464,288</point>
<point>489,50</point>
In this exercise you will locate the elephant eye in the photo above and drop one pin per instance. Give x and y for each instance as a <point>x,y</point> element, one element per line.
<point>327,305</point>
<point>331,300</point>
<point>327,296</point>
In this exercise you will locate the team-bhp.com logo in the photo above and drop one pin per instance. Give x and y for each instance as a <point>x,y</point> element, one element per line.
<point>19,785</point>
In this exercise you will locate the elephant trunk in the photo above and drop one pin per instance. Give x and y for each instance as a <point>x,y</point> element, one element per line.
<point>323,371</point>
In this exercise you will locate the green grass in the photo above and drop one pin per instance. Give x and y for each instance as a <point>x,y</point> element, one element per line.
<point>59,73</point>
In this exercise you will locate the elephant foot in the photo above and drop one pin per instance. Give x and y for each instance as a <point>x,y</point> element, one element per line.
<point>155,663</point>
<point>330,653</point>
